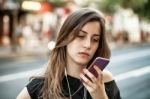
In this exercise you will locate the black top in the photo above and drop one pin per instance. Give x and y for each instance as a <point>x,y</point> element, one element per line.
<point>35,85</point>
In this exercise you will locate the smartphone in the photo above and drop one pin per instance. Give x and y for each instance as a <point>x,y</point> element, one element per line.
<point>100,63</point>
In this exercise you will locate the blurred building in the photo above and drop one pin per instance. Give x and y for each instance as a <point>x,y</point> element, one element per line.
<point>27,23</point>
<point>30,23</point>
<point>126,25</point>
<point>8,12</point>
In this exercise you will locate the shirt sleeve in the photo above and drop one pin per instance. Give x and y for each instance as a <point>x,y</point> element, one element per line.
<point>112,90</point>
<point>34,87</point>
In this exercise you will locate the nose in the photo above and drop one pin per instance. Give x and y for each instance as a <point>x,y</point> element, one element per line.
<point>87,43</point>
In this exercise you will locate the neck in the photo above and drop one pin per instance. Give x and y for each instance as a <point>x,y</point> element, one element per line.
<point>74,70</point>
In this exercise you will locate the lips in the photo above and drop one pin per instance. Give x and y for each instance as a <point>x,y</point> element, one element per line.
<point>84,54</point>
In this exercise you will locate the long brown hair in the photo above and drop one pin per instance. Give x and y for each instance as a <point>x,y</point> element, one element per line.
<point>54,74</point>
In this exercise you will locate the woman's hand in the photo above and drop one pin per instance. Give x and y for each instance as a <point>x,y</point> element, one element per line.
<point>95,86</point>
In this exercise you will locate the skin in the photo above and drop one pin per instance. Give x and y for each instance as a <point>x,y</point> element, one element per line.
<point>24,94</point>
<point>79,53</point>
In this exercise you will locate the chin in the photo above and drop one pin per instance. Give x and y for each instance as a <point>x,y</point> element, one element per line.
<point>83,61</point>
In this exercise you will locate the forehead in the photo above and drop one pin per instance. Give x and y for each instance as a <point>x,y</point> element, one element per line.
<point>92,27</point>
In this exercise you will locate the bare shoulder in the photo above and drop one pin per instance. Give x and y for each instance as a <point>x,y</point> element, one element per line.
<point>24,94</point>
<point>107,76</point>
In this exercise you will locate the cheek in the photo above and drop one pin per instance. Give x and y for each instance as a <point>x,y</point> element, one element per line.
<point>95,47</point>
<point>71,47</point>
<point>73,44</point>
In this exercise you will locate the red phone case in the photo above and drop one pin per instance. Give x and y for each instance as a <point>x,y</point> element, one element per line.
<point>99,62</point>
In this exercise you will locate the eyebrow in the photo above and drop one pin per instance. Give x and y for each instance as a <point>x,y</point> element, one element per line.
<point>87,33</point>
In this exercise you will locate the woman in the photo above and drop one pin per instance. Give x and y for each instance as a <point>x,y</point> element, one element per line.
<point>81,39</point>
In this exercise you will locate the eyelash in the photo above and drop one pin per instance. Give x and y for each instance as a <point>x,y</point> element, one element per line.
<point>82,36</point>
<point>96,40</point>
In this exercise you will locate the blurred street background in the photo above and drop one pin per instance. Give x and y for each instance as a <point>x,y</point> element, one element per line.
<point>28,30</point>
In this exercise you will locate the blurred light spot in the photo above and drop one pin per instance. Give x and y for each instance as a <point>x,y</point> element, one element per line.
<point>51,45</point>
<point>6,18</point>
<point>31,5</point>
<point>6,40</point>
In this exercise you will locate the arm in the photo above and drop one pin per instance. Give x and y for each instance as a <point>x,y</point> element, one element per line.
<point>24,94</point>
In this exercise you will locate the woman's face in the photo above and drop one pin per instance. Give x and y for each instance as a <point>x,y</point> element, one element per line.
<point>83,47</point>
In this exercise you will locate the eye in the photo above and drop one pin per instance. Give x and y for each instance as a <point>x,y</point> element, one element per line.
<point>81,35</point>
<point>95,39</point>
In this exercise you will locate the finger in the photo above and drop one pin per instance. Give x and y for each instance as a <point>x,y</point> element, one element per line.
<point>86,80</point>
<point>100,74</point>
<point>90,89</point>
<point>90,75</point>
<point>99,71</point>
